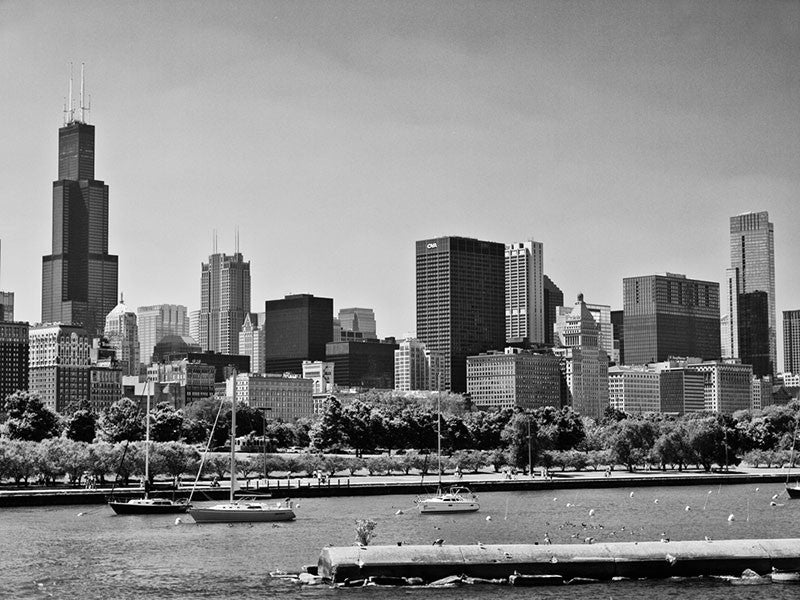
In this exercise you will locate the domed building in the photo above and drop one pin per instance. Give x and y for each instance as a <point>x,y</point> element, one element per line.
<point>123,335</point>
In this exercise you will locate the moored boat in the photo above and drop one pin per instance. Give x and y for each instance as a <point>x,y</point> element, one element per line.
<point>451,500</point>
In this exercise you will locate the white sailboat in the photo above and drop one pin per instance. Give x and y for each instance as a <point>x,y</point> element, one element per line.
<point>243,510</point>
<point>455,499</point>
<point>147,505</point>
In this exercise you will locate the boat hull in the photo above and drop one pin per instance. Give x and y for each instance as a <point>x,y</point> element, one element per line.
<point>444,506</point>
<point>793,491</point>
<point>241,515</point>
<point>141,508</point>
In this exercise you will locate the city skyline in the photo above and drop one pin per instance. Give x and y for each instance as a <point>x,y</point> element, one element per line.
<point>335,136</point>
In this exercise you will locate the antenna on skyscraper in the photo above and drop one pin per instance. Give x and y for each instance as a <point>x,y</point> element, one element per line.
<point>68,105</point>
<point>83,104</point>
<point>237,239</point>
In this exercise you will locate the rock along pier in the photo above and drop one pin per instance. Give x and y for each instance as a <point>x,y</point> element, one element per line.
<point>604,561</point>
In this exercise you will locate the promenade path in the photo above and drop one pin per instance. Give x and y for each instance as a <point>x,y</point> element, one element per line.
<point>338,485</point>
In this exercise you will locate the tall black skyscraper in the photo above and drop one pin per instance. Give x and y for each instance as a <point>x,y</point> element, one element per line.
<point>79,277</point>
<point>297,328</point>
<point>460,302</point>
<point>553,297</point>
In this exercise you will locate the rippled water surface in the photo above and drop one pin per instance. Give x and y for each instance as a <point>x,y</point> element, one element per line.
<point>88,552</point>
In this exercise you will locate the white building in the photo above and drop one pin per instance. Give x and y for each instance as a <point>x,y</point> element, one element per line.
<point>253,341</point>
<point>525,291</point>
<point>59,362</point>
<point>513,378</point>
<point>122,332</point>
<point>727,385</point>
<point>416,367</point>
<point>321,373</point>
<point>634,389</point>
<point>602,316</point>
<point>286,397</point>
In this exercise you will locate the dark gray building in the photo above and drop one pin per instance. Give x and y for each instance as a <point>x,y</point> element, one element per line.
<point>670,315</point>
<point>79,277</point>
<point>13,358</point>
<point>553,298</point>
<point>297,329</point>
<point>364,363</point>
<point>460,301</point>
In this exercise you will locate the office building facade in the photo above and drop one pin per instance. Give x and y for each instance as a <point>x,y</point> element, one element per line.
<point>297,328</point>
<point>460,302</point>
<point>752,269</point>
<point>156,321</point>
<point>7,306</point>
<point>416,367</point>
<point>253,341</point>
<point>79,277</point>
<point>553,297</point>
<point>14,345</point>
<point>514,378</point>
<point>670,315</point>
<point>59,362</point>
<point>224,302</point>
<point>358,320</point>
<point>726,385</point>
<point>363,364</point>
<point>284,397</point>
<point>525,291</point>
<point>791,341</point>
<point>122,333</point>
<point>635,390</point>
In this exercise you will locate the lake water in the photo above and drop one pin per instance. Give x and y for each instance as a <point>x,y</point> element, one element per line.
<point>87,552</point>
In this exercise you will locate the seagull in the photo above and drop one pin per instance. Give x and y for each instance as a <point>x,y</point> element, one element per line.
<point>80,514</point>
<point>399,543</point>
<point>178,521</point>
<point>706,538</point>
<point>671,559</point>
<point>399,512</point>
<point>664,537</point>
<point>438,542</point>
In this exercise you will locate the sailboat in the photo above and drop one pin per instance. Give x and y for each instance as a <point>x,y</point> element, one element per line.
<point>245,510</point>
<point>792,490</point>
<point>147,505</point>
<point>455,499</point>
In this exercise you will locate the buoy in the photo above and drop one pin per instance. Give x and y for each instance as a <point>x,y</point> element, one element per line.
<point>591,513</point>
<point>731,517</point>
<point>757,489</point>
<point>554,499</point>
<point>775,497</point>
<point>489,517</point>
<point>399,512</point>
<point>688,508</point>
<point>568,504</point>
<point>655,501</point>
<point>178,521</point>
<point>631,494</point>
<point>80,514</point>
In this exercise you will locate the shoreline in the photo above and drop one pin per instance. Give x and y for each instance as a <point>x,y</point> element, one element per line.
<point>306,487</point>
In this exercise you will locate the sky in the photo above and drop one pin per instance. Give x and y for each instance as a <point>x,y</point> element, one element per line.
<point>333,135</point>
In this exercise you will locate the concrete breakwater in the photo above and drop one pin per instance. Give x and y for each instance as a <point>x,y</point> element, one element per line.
<point>379,486</point>
<point>634,560</point>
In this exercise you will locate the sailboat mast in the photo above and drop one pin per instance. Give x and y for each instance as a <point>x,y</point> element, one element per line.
<point>147,439</point>
<point>233,437</point>
<point>439,432</point>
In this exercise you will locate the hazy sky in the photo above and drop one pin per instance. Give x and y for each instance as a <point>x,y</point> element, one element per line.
<point>334,134</point>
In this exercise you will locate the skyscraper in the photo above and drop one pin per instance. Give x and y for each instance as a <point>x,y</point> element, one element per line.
<point>752,269</point>
<point>297,328</point>
<point>525,291</point>
<point>224,302</point>
<point>791,341</point>
<point>460,302</point>
<point>553,298</point>
<point>79,277</point>
<point>123,336</point>
<point>157,321</point>
<point>253,341</point>
<point>359,320</point>
<point>670,315</point>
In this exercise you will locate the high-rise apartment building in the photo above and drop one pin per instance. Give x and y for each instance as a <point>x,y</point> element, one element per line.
<point>670,315</point>
<point>297,329</point>
<point>617,334</point>
<point>791,341</point>
<point>224,302</point>
<point>514,377</point>
<point>157,321</point>
<point>553,298</point>
<point>525,291</point>
<point>460,301</point>
<point>79,277</point>
<point>13,358</point>
<point>123,336</point>
<point>358,320</point>
<point>752,249</point>
<point>253,341</point>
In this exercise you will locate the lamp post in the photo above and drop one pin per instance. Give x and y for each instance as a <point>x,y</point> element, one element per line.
<point>263,410</point>
<point>530,464</point>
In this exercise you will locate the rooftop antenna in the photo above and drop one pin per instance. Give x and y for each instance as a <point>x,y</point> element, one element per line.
<point>68,105</point>
<point>237,239</point>
<point>83,104</point>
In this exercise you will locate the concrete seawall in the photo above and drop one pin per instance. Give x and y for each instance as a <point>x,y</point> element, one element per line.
<point>596,561</point>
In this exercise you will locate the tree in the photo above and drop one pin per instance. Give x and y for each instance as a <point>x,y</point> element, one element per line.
<point>518,441</point>
<point>630,441</point>
<point>328,432</point>
<point>120,422</point>
<point>166,423</point>
<point>81,426</point>
<point>673,446</point>
<point>28,419</point>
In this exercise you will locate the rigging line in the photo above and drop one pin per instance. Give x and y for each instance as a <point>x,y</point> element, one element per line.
<point>208,446</point>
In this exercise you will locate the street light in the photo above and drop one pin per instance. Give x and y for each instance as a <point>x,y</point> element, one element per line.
<point>263,410</point>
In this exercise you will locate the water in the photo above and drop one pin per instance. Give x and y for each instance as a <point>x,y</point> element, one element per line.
<point>54,552</point>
